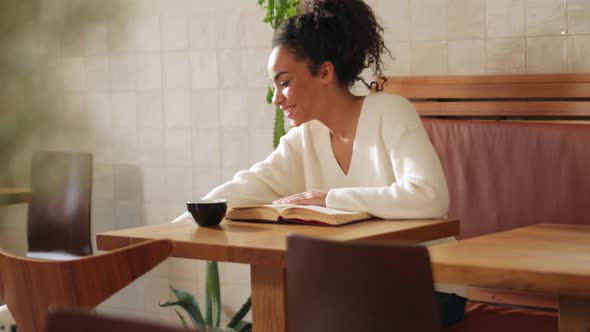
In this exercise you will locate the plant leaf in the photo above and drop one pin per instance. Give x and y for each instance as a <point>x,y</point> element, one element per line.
<point>208,302</point>
<point>244,326</point>
<point>279,128</point>
<point>187,302</point>
<point>291,11</point>
<point>182,319</point>
<point>234,322</point>
<point>270,13</point>
<point>269,94</point>
<point>214,291</point>
<point>282,11</point>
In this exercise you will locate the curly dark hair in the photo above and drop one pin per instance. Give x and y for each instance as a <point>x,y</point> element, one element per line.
<point>344,32</point>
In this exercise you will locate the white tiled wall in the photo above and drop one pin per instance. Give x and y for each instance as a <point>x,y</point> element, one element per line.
<point>170,98</point>
<point>432,37</point>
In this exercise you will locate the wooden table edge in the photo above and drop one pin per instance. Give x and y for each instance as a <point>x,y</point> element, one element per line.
<point>487,276</point>
<point>438,229</point>
<point>274,257</point>
<point>186,250</point>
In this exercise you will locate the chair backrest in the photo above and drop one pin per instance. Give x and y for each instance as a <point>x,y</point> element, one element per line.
<point>67,320</point>
<point>59,213</point>
<point>358,286</point>
<point>29,287</point>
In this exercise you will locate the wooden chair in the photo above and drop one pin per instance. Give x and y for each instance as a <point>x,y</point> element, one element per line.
<point>67,320</point>
<point>358,286</point>
<point>59,213</point>
<point>29,287</point>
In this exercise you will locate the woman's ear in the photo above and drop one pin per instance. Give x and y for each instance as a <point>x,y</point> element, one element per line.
<point>326,72</point>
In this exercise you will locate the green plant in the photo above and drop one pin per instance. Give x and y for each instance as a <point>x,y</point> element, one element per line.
<point>277,11</point>
<point>210,321</point>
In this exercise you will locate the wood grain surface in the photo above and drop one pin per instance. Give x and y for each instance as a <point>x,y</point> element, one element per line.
<point>265,243</point>
<point>526,95</point>
<point>546,258</point>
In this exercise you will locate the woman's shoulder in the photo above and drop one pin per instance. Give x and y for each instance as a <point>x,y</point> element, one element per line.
<point>309,126</point>
<point>391,108</point>
<point>296,136</point>
<point>383,100</point>
<point>292,135</point>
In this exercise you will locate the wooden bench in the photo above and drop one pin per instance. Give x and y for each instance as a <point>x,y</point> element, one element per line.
<point>497,115</point>
<point>515,149</point>
<point>548,97</point>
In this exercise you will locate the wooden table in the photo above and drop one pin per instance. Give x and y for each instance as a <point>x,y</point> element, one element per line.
<point>546,258</point>
<point>14,195</point>
<point>263,247</point>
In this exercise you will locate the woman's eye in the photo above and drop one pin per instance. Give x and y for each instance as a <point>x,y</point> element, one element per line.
<point>284,83</point>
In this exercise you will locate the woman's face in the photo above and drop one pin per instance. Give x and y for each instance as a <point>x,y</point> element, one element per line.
<point>296,89</point>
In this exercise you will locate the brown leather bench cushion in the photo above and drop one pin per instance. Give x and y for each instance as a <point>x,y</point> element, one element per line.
<point>490,318</point>
<point>503,175</point>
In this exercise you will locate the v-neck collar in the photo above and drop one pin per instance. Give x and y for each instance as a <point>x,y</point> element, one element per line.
<point>357,135</point>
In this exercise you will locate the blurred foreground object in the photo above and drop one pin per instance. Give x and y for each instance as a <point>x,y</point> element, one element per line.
<point>59,214</point>
<point>68,320</point>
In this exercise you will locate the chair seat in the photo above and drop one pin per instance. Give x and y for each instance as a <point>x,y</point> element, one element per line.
<point>491,318</point>
<point>52,255</point>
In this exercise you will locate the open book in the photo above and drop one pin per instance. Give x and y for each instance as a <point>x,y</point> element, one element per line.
<point>304,214</point>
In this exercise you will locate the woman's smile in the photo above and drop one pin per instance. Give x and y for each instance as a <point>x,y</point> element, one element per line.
<point>287,110</point>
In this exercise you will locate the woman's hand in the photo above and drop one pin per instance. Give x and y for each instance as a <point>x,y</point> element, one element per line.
<point>312,197</point>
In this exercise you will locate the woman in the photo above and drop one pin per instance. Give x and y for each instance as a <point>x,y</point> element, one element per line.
<point>358,153</point>
<point>345,152</point>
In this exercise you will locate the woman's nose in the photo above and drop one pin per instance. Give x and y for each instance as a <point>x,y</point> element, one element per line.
<point>277,97</point>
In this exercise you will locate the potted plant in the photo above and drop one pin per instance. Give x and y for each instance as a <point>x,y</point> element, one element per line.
<point>210,320</point>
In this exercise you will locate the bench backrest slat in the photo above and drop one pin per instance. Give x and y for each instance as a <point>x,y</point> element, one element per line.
<point>504,108</point>
<point>559,95</point>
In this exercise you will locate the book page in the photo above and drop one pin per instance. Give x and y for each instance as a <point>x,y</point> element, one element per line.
<point>271,212</point>
<point>281,207</point>
<point>254,212</point>
<point>277,207</point>
<point>322,214</point>
<point>324,210</point>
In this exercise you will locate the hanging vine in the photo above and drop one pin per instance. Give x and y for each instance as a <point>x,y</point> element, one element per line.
<point>277,11</point>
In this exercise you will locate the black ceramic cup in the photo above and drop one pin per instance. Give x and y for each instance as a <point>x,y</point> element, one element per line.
<point>209,212</point>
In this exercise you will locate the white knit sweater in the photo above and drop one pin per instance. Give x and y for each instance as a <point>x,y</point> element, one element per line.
<point>394,173</point>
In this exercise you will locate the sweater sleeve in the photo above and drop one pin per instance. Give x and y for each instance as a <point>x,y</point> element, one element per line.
<point>279,175</point>
<point>420,189</point>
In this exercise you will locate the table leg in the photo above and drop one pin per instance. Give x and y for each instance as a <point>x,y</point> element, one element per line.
<point>574,314</point>
<point>268,299</point>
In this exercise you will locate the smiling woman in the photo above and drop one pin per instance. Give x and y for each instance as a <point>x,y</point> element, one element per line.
<point>345,152</point>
